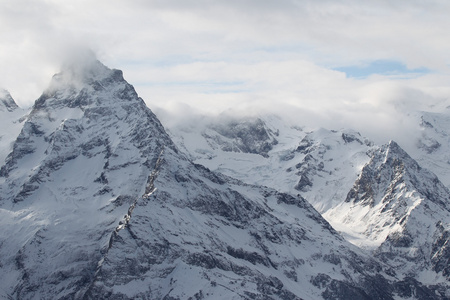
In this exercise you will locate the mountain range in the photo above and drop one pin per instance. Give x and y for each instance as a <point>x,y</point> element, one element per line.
<point>99,201</point>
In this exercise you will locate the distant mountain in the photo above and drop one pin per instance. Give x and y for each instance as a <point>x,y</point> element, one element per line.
<point>11,118</point>
<point>7,103</point>
<point>378,197</point>
<point>433,143</point>
<point>97,202</point>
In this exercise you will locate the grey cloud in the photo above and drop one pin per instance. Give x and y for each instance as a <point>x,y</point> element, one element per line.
<point>246,55</point>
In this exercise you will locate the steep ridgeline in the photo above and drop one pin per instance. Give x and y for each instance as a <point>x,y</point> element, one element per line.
<point>11,118</point>
<point>225,134</point>
<point>7,103</point>
<point>403,213</point>
<point>81,159</point>
<point>98,203</point>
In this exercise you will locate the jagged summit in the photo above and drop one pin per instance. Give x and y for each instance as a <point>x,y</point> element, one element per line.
<point>73,86</point>
<point>7,103</point>
<point>96,107</point>
<point>401,211</point>
<point>83,156</point>
<point>392,166</point>
<point>83,65</point>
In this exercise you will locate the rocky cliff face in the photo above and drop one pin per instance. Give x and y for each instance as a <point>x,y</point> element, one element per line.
<point>404,210</point>
<point>245,135</point>
<point>327,163</point>
<point>98,203</point>
<point>11,122</point>
<point>7,103</point>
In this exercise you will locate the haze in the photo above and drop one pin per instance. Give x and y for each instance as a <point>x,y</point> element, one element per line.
<point>362,65</point>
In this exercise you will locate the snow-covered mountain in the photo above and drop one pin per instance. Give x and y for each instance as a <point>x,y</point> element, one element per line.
<point>320,164</point>
<point>7,103</point>
<point>11,118</point>
<point>82,157</point>
<point>433,143</point>
<point>378,197</point>
<point>97,202</point>
<point>402,211</point>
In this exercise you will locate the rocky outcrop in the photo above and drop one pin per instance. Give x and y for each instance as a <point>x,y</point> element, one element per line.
<point>246,135</point>
<point>7,103</point>
<point>405,208</point>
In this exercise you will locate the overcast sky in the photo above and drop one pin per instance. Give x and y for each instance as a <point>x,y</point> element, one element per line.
<point>332,59</point>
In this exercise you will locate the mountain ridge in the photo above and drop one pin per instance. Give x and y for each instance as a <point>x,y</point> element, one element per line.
<point>98,202</point>
<point>328,168</point>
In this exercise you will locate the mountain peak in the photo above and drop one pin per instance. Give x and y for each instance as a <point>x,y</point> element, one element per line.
<point>392,146</point>
<point>80,70</point>
<point>83,68</point>
<point>6,101</point>
<point>85,81</point>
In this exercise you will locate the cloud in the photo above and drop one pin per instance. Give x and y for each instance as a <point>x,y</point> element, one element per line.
<point>250,56</point>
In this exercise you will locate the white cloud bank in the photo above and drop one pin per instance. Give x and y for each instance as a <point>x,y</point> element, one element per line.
<point>249,55</point>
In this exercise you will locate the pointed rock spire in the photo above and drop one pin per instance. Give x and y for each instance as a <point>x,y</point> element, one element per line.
<point>85,81</point>
<point>7,103</point>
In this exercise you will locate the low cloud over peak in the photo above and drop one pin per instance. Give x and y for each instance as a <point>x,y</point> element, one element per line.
<point>340,64</point>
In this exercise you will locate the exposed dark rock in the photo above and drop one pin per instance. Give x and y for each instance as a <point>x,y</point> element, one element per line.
<point>303,184</point>
<point>349,138</point>
<point>248,136</point>
<point>400,239</point>
<point>252,257</point>
<point>428,144</point>
<point>409,287</point>
<point>7,102</point>
<point>440,251</point>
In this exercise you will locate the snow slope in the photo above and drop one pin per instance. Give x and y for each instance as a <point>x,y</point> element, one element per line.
<point>320,164</point>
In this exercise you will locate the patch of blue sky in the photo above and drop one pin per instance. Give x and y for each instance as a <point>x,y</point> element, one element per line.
<point>381,67</point>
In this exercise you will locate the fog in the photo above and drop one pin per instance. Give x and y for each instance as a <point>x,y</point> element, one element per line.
<point>193,58</point>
